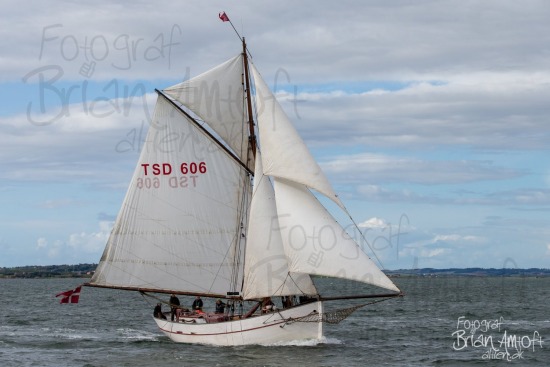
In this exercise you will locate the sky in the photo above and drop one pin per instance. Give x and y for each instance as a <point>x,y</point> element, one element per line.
<point>430,118</point>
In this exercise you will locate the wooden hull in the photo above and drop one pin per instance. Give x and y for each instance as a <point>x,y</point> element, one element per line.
<point>268,328</point>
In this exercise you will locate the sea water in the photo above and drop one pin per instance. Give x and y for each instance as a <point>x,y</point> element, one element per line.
<point>442,321</point>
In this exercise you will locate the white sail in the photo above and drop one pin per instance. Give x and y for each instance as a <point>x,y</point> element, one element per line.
<point>182,220</point>
<point>266,266</point>
<point>217,96</point>
<point>284,153</point>
<point>316,244</point>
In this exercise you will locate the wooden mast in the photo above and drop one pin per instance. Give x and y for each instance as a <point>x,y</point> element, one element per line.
<point>251,133</point>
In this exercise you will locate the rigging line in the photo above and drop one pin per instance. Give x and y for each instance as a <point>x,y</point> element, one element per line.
<point>235,29</point>
<point>240,232</point>
<point>362,236</point>
<point>237,253</point>
<point>356,226</point>
<point>298,287</point>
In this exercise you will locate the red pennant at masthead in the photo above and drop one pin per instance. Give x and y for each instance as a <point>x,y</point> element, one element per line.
<point>70,296</point>
<point>223,17</point>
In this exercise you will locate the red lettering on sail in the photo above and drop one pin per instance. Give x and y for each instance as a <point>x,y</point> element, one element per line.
<point>193,167</point>
<point>160,175</point>
<point>165,169</point>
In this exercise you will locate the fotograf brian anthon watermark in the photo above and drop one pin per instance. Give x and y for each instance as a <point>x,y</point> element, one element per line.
<point>494,339</point>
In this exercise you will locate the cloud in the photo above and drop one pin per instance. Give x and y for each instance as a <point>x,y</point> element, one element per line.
<point>488,115</point>
<point>60,203</point>
<point>41,243</point>
<point>401,103</point>
<point>456,238</point>
<point>93,242</point>
<point>78,246</point>
<point>377,168</point>
<point>383,168</point>
<point>421,41</point>
<point>53,250</point>
<point>373,223</point>
<point>77,146</point>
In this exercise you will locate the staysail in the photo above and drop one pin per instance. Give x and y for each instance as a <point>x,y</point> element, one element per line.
<point>285,155</point>
<point>182,222</point>
<point>316,244</point>
<point>266,265</point>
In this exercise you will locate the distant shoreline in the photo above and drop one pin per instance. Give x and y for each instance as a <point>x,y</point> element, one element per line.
<point>87,270</point>
<point>470,272</point>
<point>48,271</point>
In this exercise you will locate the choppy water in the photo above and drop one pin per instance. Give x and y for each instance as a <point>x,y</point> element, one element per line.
<point>114,328</point>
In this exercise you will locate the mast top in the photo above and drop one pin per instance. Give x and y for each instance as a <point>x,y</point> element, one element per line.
<point>251,135</point>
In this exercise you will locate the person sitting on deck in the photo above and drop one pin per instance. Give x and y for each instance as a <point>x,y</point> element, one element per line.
<point>181,312</point>
<point>157,313</point>
<point>220,306</point>
<point>267,305</point>
<point>287,301</point>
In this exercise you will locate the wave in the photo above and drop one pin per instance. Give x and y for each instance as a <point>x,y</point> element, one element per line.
<point>305,343</point>
<point>137,335</point>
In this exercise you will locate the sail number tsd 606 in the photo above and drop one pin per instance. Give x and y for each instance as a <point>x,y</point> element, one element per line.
<point>165,169</point>
<point>182,176</point>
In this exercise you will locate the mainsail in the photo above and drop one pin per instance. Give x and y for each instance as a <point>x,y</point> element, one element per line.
<point>182,221</point>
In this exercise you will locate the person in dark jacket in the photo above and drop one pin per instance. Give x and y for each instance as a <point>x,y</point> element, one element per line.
<point>158,312</point>
<point>220,306</point>
<point>197,304</point>
<point>174,303</point>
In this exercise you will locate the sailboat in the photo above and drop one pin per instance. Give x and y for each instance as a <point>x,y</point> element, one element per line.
<point>223,205</point>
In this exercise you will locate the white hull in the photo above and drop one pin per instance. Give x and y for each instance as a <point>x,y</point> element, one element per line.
<point>268,328</point>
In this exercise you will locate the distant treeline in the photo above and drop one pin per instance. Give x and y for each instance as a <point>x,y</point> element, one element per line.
<point>87,270</point>
<point>49,271</point>
<point>470,272</point>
